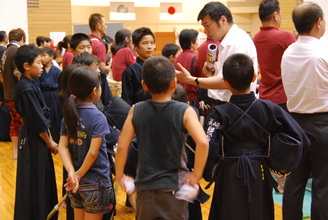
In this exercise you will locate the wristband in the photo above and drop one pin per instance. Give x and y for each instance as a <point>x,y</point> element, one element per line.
<point>197,82</point>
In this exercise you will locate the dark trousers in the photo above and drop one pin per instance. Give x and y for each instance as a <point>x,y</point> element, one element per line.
<point>315,163</point>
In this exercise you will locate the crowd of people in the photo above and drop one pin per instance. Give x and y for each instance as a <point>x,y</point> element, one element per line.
<point>56,98</point>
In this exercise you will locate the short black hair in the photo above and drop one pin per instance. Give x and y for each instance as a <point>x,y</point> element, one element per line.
<point>180,94</point>
<point>26,54</point>
<point>158,73</point>
<point>267,8</point>
<point>139,33</point>
<point>215,10</point>
<point>107,40</point>
<point>94,19</point>
<point>49,51</point>
<point>39,40</point>
<point>86,58</point>
<point>170,49</point>
<point>77,38</point>
<point>186,37</point>
<point>3,35</point>
<point>238,71</point>
<point>305,15</point>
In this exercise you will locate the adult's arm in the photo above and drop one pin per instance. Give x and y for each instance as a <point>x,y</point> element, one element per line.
<point>214,82</point>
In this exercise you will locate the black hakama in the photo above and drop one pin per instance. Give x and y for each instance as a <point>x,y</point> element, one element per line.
<point>244,184</point>
<point>36,192</point>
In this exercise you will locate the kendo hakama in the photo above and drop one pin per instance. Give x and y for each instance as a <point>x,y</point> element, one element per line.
<point>36,192</point>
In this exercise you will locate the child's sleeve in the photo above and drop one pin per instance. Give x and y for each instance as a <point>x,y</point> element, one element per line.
<point>212,124</point>
<point>32,112</point>
<point>100,128</point>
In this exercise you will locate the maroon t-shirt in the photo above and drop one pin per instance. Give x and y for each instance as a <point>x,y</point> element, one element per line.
<point>271,44</point>
<point>67,58</point>
<point>98,48</point>
<point>185,59</point>
<point>122,59</point>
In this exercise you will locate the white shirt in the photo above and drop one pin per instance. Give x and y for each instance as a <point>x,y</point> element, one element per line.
<point>304,71</point>
<point>235,41</point>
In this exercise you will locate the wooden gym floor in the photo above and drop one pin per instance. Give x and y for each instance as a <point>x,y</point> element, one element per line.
<point>8,181</point>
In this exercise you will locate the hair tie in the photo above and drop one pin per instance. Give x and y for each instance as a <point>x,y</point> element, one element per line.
<point>73,96</point>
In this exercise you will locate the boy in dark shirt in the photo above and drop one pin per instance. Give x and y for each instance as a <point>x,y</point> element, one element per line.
<point>238,134</point>
<point>161,135</point>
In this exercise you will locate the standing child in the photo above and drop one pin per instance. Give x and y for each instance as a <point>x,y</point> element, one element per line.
<point>36,192</point>
<point>49,85</point>
<point>171,51</point>
<point>144,44</point>
<point>81,43</point>
<point>123,55</point>
<point>93,61</point>
<point>82,147</point>
<point>161,135</point>
<point>238,138</point>
<point>68,56</point>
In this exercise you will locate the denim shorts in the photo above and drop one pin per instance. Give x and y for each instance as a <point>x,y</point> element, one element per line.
<point>93,197</point>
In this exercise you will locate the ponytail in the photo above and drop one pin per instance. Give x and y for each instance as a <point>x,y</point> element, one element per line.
<point>120,42</point>
<point>71,117</point>
<point>81,82</point>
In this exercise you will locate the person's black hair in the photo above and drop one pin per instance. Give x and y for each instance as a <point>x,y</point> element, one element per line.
<point>186,37</point>
<point>94,19</point>
<point>86,58</point>
<point>238,71</point>
<point>3,35</point>
<point>215,10</point>
<point>77,38</point>
<point>107,40</point>
<point>49,51</point>
<point>305,16</point>
<point>267,8</point>
<point>120,42</point>
<point>64,91</point>
<point>180,94</point>
<point>81,83</point>
<point>170,49</point>
<point>63,44</point>
<point>26,54</point>
<point>17,35</point>
<point>39,40</point>
<point>158,73</point>
<point>139,33</point>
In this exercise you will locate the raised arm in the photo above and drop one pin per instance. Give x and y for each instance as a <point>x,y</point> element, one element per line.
<point>214,82</point>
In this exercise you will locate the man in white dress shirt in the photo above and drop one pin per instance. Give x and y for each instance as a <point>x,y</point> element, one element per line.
<point>304,71</point>
<point>217,20</point>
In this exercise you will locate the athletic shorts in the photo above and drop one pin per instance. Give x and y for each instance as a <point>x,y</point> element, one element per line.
<point>161,204</point>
